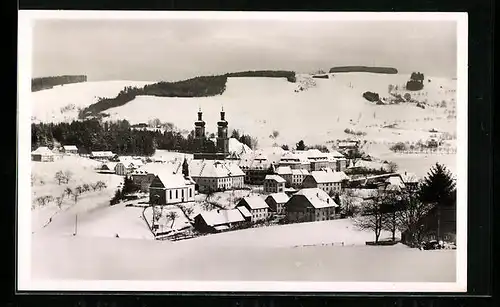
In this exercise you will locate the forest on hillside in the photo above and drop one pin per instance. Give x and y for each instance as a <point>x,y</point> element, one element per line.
<point>43,83</point>
<point>202,86</point>
<point>118,137</point>
<point>378,70</point>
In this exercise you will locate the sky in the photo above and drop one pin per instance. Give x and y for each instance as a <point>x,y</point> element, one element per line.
<point>173,50</point>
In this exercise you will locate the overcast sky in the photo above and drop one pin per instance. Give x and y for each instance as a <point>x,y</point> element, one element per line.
<point>179,49</point>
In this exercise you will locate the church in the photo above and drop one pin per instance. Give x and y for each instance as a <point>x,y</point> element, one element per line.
<point>203,149</point>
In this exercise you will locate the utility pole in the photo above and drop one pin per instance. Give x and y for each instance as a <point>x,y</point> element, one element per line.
<point>76,224</point>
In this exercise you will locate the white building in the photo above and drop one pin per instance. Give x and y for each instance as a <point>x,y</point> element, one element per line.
<point>326,180</point>
<point>169,188</point>
<point>216,175</point>
<point>274,184</point>
<point>256,206</point>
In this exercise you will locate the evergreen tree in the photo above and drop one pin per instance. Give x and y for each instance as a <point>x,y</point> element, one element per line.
<point>438,187</point>
<point>300,145</point>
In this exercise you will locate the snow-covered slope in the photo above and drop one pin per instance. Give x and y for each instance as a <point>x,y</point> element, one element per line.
<point>61,103</point>
<point>320,112</point>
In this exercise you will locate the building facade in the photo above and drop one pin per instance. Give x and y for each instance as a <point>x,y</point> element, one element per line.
<point>310,205</point>
<point>216,175</point>
<point>274,184</point>
<point>276,203</point>
<point>170,188</point>
<point>257,207</point>
<point>326,180</point>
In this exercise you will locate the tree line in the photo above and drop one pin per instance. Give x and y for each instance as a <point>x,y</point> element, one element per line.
<point>201,86</point>
<point>42,83</point>
<point>120,138</point>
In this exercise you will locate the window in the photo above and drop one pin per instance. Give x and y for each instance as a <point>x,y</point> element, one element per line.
<point>182,193</point>
<point>170,192</point>
<point>190,193</point>
<point>176,193</point>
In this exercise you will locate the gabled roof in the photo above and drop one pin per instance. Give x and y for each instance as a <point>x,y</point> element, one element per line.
<point>279,198</point>
<point>255,202</point>
<point>409,177</point>
<point>244,211</point>
<point>214,169</point>
<point>276,178</point>
<point>172,181</point>
<point>335,154</point>
<point>42,150</point>
<point>70,147</point>
<point>221,217</point>
<point>284,170</point>
<point>325,176</point>
<point>303,172</point>
<point>316,197</point>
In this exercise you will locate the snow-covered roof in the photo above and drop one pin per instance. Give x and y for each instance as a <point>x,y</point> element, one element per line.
<point>279,198</point>
<point>238,148</point>
<point>221,217</point>
<point>255,202</point>
<point>42,150</point>
<point>172,181</point>
<point>214,169</point>
<point>284,170</point>
<point>276,178</point>
<point>102,153</point>
<point>335,154</point>
<point>300,171</point>
<point>409,177</point>
<point>327,175</point>
<point>244,211</point>
<point>317,198</point>
<point>395,182</point>
<point>70,147</point>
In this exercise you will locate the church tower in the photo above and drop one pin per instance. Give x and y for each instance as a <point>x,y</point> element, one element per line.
<point>199,132</point>
<point>222,139</point>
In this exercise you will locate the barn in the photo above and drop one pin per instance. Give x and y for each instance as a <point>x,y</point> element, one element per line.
<point>42,154</point>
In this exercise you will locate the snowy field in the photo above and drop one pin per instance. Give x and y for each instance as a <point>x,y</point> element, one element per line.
<point>44,184</point>
<point>128,259</point>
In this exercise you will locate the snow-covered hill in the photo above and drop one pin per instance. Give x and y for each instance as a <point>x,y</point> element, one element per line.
<point>320,112</point>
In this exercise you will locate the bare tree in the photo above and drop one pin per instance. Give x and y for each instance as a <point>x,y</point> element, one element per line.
<point>393,167</point>
<point>44,200</point>
<point>76,193</point>
<point>67,176</point>
<point>59,176</point>
<point>410,216</point>
<point>59,201</point>
<point>172,215</point>
<point>371,219</point>
<point>86,187</point>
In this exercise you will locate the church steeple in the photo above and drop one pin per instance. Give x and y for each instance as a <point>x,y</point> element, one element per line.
<point>222,139</point>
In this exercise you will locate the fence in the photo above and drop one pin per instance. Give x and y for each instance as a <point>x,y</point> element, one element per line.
<point>444,151</point>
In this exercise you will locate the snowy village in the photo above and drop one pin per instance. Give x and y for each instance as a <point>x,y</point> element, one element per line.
<point>302,175</point>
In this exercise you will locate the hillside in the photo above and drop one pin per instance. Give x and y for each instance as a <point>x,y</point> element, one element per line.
<point>38,84</point>
<point>315,110</point>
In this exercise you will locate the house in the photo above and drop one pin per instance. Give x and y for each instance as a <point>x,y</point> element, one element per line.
<point>218,220</point>
<point>107,168</point>
<point>298,176</point>
<point>120,169</point>
<point>347,145</point>
<point>102,155</point>
<point>42,154</point>
<point>256,206</point>
<point>326,180</point>
<point>70,149</point>
<point>337,161</point>
<point>216,175</point>
<point>295,160</point>
<point>285,172</point>
<point>256,168</point>
<point>170,188</point>
<point>143,179</point>
<point>317,159</point>
<point>394,183</point>
<point>246,214</point>
<point>310,205</point>
<point>276,202</point>
<point>274,184</point>
<point>410,180</point>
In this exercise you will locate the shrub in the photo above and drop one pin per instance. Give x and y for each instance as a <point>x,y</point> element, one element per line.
<point>400,146</point>
<point>371,96</point>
